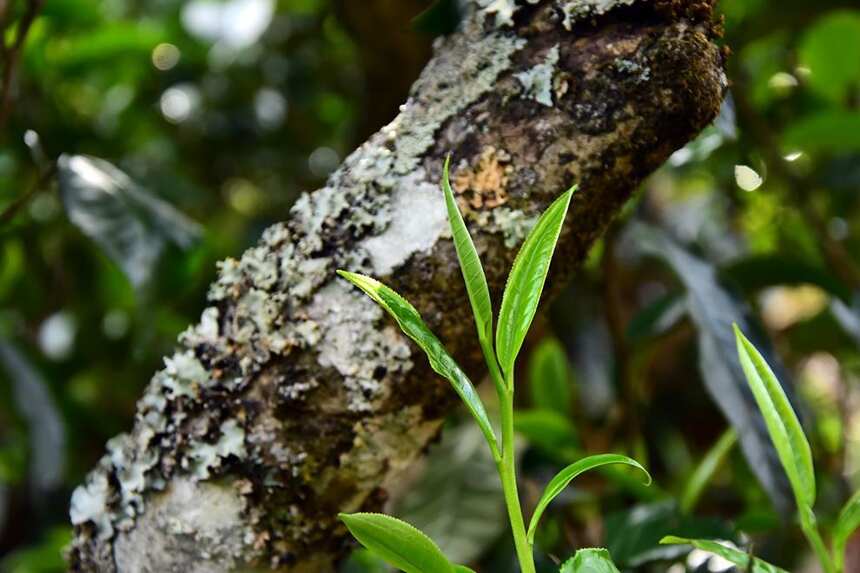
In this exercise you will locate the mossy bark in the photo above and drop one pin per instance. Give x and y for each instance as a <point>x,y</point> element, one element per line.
<point>294,398</point>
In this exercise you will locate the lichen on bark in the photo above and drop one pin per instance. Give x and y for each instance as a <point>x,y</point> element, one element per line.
<point>294,398</point>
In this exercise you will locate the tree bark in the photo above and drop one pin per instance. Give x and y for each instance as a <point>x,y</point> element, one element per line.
<point>294,398</point>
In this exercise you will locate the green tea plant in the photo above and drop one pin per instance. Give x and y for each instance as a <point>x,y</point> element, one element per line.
<point>397,542</point>
<point>794,453</point>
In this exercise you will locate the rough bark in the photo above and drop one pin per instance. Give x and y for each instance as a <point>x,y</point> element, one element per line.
<point>294,398</point>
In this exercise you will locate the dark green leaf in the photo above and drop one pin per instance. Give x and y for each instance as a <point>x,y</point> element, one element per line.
<point>470,265</point>
<point>782,423</point>
<point>633,535</point>
<point>590,560</point>
<point>565,476</point>
<point>730,554</point>
<point>400,544</point>
<point>526,280</point>
<point>713,309</point>
<point>657,318</point>
<point>413,326</point>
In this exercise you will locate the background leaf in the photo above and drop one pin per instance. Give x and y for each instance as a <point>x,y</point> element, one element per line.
<point>633,535</point>
<point>831,51</point>
<point>458,500</point>
<point>130,225</point>
<point>550,383</point>
<point>713,311</point>
<point>35,403</point>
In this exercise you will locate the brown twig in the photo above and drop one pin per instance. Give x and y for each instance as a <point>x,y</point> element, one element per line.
<point>12,52</point>
<point>38,185</point>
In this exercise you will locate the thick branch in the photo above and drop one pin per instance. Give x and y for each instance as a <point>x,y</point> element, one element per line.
<point>293,398</point>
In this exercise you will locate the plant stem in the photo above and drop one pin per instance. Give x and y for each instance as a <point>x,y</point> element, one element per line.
<point>508,475</point>
<point>810,530</point>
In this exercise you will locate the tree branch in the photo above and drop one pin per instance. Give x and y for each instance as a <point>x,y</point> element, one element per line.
<point>293,398</point>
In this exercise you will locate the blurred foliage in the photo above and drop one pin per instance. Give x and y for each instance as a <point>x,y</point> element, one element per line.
<point>223,111</point>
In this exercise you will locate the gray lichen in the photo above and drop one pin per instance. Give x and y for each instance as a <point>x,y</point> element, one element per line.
<point>576,10</point>
<point>355,345</point>
<point>538,81</point>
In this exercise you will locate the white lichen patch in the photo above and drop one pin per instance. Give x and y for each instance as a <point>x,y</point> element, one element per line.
<point>538,81</point>
<point>356,344</point>
<point>502,10</point>
<point>183,375</point>
<point>576,10</point>
<point>205,457</point>
<point>407,233</point>
<point>90,503</point>
<point>229,278</point>
<point>193,526</point>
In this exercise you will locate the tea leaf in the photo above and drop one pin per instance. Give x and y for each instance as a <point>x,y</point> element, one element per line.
<point>589,561</point>
<point>526,280</point>
<point>397,542</point>
<point>730,554</point>
<point>470,265</point>
<point>782,423</point>
<point>848,522</point>
<point>411,323</point>
<point>565,476</point>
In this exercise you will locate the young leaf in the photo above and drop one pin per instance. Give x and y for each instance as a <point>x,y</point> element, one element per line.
<point>526,280</point>
<point>470,264</point>
<point>706,469</point>
<point>730,554</point>
<point>782,423</point>
<point>848,522</point>
<point>565,476</point>
<point>589,561</point>
<point>413,326</point>
<point>397,542</point>
<point>549,377</point>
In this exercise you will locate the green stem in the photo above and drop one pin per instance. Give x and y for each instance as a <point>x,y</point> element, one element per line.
<point>508,475</point>
<point>810,530</point>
